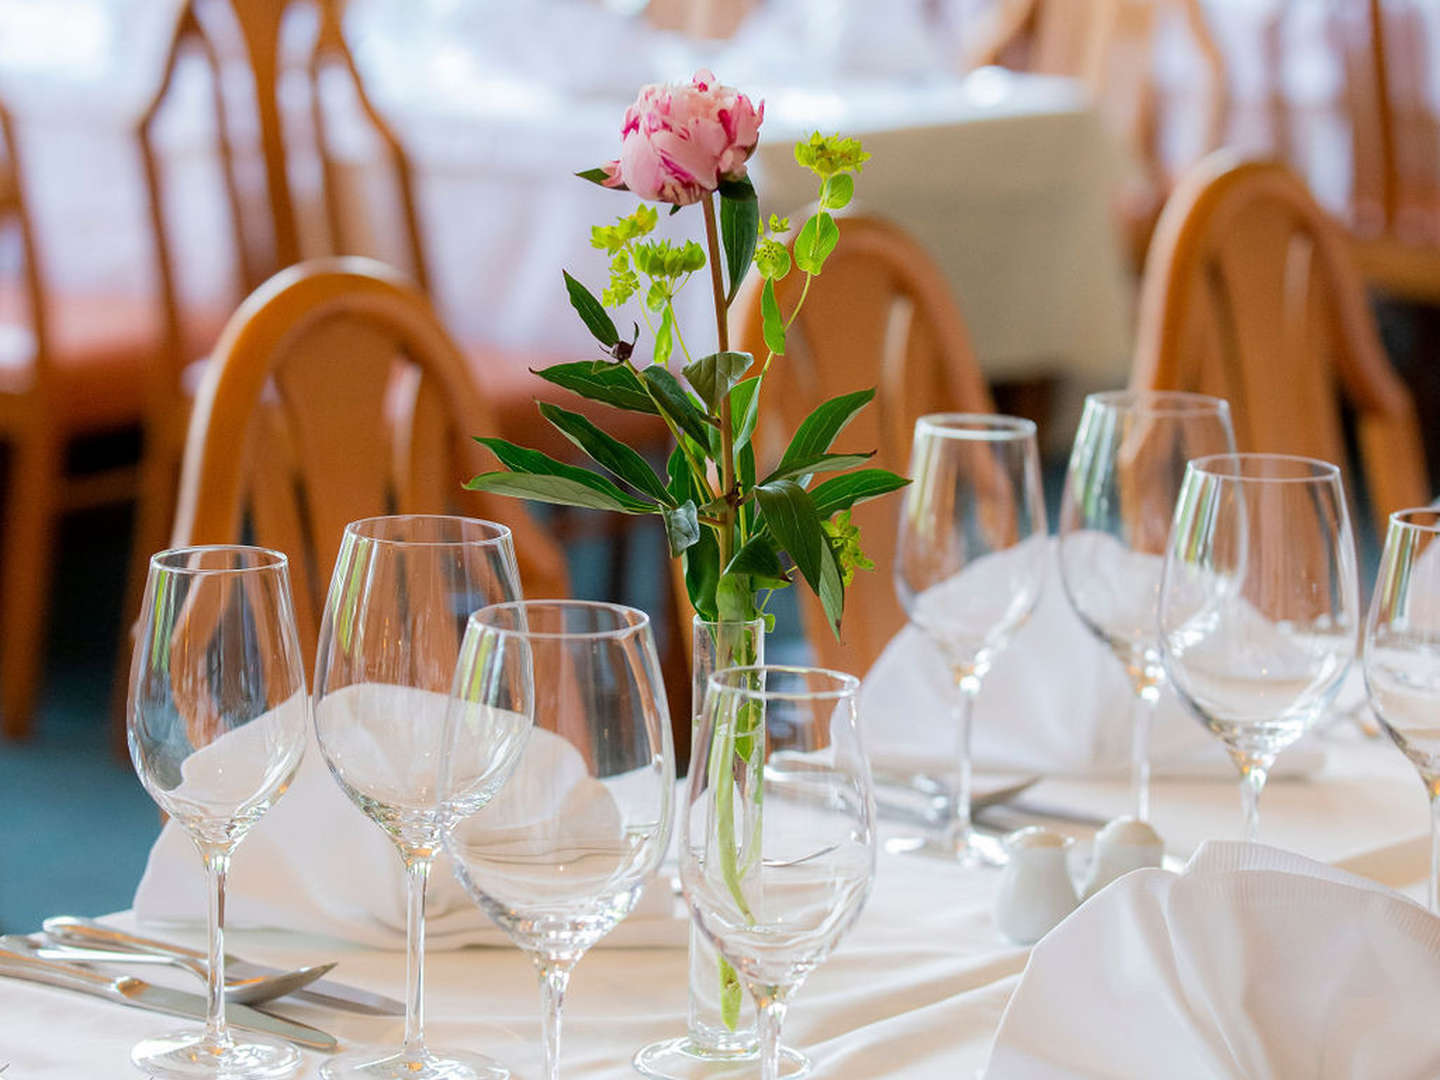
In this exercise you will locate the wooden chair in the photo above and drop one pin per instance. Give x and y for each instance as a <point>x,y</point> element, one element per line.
<point>335,394</point>
<point>1250,294</point>
<point>880,315</point>
<point>1108,46</point>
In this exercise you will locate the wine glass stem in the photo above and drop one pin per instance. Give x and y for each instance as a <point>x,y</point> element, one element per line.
<point>1253,773</point>
<point>964,710</point>
<point>1435,849</point>
<point>1140,751</point>
<point>769,1014</point>
<point>554,978</point>
<point>217,868</point>
<point>417,872</point>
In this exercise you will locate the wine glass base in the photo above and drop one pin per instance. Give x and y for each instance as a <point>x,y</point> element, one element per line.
<point>374,1063</point>
<point>684,1059</point>
<point>979,851</point>
<point>184,1055</point>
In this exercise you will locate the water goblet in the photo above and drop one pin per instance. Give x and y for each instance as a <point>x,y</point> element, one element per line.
<point>563,852</point>
<point>217,714</point>
<point>1259,604</point>
<point>777,831</point>
<point>969,567</point>
<point>1401,655</point>
<point>394,619</point>
<point>1125,470</point>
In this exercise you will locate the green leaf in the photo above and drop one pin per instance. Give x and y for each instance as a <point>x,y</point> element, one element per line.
<point>682,527</point>
<point>759,559</point>
<point>714,375</point>
<point>790,515</point>
<point>560,490</point>
<point>744,410</point>
<point>702,574</point>
<point>665,336</point>
<point>735,598</point>
<point>838,191</point>
<point>609,452</point>
<point>600,380</point>
<point>774,323</point>
<point>591,313</point>
<point>819,463</point>
<point>737,189</point>
<point>818,430</point>
<point>842,492</point>
<point>675,403</point>
<point>816,241</point>
<point>739,230</point>
<point>598,175</point>
<point>524,461</point>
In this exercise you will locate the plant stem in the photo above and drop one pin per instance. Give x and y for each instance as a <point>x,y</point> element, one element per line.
<point>726,538</point>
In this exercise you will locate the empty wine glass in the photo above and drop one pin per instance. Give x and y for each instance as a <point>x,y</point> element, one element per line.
<point>217,715</point>
<point>1402,655</point>
<point>1125,471</point>
<point>1259,607</point>
<point>969,566</point>
<point>777,834</point>
<point>563,852</point>
<point>394,619</point>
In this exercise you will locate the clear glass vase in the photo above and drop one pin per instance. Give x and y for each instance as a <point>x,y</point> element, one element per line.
<point>709,1040</point>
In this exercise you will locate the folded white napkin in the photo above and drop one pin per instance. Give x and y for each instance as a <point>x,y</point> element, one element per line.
<point>1253,963</point>
<point>1055,701</point>
<point>315,864</point>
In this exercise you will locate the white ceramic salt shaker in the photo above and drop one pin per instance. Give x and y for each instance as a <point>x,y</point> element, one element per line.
<point>1123,845</point>
<point>1035,887</point>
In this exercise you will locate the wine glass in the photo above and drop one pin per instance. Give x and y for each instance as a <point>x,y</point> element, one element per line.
<point>217,714</point>
<point>1402,655</point>
<point>1259,604</point>
<point>563,852</point>
<point>1125,471</point>
<point>777,834</point>
<point>394,620</point>
<point>969,566</point>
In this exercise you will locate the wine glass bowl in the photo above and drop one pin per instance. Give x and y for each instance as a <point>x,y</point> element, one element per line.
<point>561,855</point>
<point>1125,471</point>
<point>777,844</point>
<point>1259,603</point>
<point>1401,656</point>
<point>395,616</point>
<point>216,722</point>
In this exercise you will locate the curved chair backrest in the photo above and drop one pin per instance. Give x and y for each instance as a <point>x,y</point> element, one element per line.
<point>14,215</point>
<point>880,315</point>
<point>335,394</point>
<point>1250,294</point>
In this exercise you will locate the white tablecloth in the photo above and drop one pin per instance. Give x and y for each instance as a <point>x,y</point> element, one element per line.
<point>915,991</point>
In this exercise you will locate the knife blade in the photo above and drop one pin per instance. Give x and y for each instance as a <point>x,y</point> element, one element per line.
<point>85,933</point>
<point>142,995</point>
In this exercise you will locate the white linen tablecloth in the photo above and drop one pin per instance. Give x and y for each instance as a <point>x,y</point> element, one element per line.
<point>916,990</point>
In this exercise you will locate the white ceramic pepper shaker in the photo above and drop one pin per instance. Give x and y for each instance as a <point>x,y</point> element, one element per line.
<point>1036,891</point>
<point>1123,845</point>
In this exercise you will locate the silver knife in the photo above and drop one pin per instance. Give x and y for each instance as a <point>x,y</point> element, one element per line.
<point>141,995</point>
<point>86,934</point>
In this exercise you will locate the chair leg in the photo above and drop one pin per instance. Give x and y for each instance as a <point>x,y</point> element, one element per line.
<point>31,507</point>
<point>154,518</point>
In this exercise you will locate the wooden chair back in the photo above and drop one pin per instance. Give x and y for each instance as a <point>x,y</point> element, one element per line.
<point>1249,294</point>
<point>335,394</point>
<point>880,315</point>
<point>15,219</point>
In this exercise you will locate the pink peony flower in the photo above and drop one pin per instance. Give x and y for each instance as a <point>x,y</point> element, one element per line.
<point>681,139</point>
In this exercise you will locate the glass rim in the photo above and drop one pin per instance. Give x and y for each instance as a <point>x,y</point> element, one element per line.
<point>1316,469</point>
<point>268,559</point>
<point>1162,402</point>
<point>988,427</point>
<point>1399,519</point>
<point>696,619</point>
<point>638,621</point>
<point>846,685</point>
<point>495,532</point>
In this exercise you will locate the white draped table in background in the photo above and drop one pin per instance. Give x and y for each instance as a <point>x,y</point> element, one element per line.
<point>915,991</point>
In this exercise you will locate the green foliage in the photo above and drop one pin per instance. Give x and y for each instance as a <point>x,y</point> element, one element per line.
<point>819,430</point>
<point>739,228</point>
<point>591,313</point>
<point>598,175</point>
<point>665,336</point>
<point>608,452</point>
<point>773,323</point>
<point>789,514</point>
<point>624,282</point>
<point>845,543</point>
<point>772,259</point>
<point>804,468</point>
<point>816,241</point>
<point>555,481</point>
<point>675,404</point>
<point>744,410</point>
<point>631,227</point>
<point>600,380</point>
<point>682,527</point>
<point>836,192</point>
<point>842,492</point>
<point>714,375</point>
<point>826,155</point>
<point>660,259</point>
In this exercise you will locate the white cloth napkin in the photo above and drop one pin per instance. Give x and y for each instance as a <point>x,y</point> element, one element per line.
<point>315,864</point>
<point>1253,963</point>
<point>1055,701</point>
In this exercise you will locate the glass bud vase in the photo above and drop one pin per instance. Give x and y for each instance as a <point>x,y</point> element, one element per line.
<point>709,1041</point>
